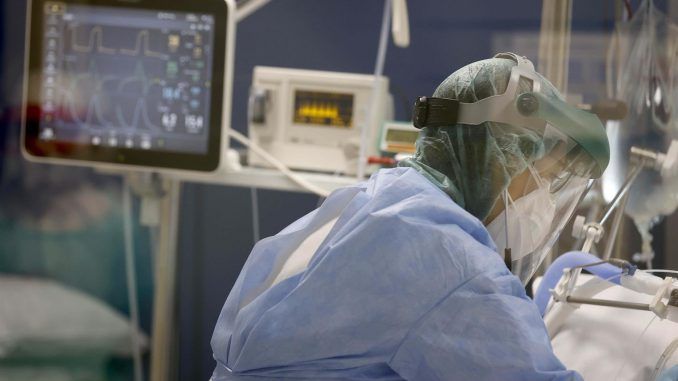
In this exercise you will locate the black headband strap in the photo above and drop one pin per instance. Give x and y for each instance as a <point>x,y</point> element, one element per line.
<point>435,112</point>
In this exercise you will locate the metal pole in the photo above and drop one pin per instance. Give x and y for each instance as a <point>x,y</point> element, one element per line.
<point>372,118</point>
<point>163,344</point>
<point>622,192</point>
<point>130,271</point>
<point>554,41</point>
<point>609,303</point>
<point>246,8</point>
<point>612,238</point>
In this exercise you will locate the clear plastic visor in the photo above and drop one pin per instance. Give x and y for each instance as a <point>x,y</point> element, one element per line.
<point>541,200</point>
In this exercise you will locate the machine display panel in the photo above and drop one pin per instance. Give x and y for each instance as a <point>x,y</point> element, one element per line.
<point>402,136</point>
<point>323,109</point>
<point>398,137</point>
<point>117,83</point>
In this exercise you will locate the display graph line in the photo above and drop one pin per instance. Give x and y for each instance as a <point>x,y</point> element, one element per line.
<point>143,36</point>
<point>94,104</point>
<point>140,111</point>
<point>133,75</point>
<point>93,111</point>
<point>95,38</point>
<point>94,114</point>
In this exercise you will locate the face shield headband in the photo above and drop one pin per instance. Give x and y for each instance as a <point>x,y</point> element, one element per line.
<point>531,109</point>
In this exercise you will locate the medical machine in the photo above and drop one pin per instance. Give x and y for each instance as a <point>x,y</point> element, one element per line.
<point>312,120</point>
<point>398,138</point>
<point>113,83</point>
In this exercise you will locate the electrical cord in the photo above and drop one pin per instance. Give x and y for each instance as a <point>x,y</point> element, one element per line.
<point>307,185</point>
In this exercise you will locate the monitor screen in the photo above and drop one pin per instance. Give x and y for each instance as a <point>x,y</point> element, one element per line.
<point>396,136</point>
<point>323,109</point>
<point>119,77</point>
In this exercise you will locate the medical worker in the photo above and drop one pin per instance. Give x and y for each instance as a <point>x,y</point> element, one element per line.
<point>419,272</point>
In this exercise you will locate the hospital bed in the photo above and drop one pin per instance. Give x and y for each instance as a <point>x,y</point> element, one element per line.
<point>608,343</point>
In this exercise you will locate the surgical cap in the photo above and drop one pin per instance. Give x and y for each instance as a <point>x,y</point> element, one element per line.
<point>473,164</point>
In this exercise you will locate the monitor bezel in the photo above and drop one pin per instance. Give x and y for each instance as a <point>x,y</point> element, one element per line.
<point>64,152</point>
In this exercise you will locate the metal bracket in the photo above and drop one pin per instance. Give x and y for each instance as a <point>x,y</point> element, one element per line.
<point>565,288</point>
<point>591,232</point>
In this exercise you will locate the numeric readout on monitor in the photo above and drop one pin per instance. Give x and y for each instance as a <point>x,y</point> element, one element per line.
<point>137,79</point>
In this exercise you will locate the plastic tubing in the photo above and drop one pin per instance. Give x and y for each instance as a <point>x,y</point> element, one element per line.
<point>278,164</point>
<point>567,261</point>
<point>376,94</point>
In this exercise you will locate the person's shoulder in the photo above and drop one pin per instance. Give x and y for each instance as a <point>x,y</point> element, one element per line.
<point>405,186</point>
<point>415,227</point>
<point>403,196</point>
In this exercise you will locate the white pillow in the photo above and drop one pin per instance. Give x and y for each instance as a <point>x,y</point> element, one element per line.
<point>41,318</point>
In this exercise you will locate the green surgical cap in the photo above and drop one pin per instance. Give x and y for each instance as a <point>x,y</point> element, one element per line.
<point>473,164</point>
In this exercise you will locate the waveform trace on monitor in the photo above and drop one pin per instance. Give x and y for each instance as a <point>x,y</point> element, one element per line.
<point>118,80</point>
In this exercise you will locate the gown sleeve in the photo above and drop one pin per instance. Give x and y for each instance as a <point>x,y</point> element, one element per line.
<point>486,329</point>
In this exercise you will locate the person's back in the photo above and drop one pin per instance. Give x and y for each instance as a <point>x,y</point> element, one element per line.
<point>375,304</point>
<point>407,279</point>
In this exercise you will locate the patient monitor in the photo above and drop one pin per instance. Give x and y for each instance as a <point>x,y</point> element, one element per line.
<point>115,83</point>
<point>312,120</point>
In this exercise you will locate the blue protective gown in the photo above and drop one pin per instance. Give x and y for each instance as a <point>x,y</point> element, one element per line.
<point>406,286</point>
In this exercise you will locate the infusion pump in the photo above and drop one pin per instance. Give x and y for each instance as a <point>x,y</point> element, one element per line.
<point>312,120</point>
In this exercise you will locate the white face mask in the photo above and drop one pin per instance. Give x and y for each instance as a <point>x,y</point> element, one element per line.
<point>529,221</point>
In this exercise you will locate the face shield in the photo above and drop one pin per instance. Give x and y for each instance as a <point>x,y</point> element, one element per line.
<point>538,202</point>
<point>535,207</point>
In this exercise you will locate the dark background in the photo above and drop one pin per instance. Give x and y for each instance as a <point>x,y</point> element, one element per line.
<point>216,234</point>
